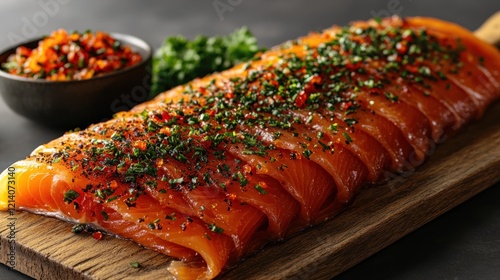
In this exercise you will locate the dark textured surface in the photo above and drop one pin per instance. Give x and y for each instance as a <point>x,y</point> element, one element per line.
<point>462,244</point>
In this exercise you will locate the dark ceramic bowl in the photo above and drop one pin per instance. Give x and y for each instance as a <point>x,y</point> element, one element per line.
<point>78,102</point>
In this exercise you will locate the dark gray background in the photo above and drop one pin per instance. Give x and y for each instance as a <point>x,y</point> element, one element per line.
<point>462,244</point>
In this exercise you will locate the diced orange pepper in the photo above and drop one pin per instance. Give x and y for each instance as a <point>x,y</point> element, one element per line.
<point>61,59</point>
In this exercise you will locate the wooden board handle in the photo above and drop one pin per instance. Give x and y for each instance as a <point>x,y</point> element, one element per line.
<point>489,31</point>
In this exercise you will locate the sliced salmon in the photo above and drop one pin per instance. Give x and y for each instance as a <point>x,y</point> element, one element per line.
<point>210,171</point>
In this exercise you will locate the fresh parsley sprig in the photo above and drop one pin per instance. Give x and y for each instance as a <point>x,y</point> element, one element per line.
<point>180,60</point>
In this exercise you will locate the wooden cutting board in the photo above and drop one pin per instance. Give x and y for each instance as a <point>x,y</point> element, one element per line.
<point>458,169</point>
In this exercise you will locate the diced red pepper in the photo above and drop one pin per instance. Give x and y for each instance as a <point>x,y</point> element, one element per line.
<point>97,235</point>
<point>75,56</point>
<point>300,100</point>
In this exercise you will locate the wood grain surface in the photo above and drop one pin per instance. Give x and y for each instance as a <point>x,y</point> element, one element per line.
<point>459,168</point>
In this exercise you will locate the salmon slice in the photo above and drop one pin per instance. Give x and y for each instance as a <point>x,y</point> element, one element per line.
<point>365,147</point>
<point>260,192</point>
<point>457,100</point>
<point>153,230</point>
<point>243,210</point>
<point>210,171</point>
<point>32,196</point>
<point>121,227</point>
<point>481,62</point>
<point>210,204</point>
<point>279,216</point>
<point>387,134</point>
<point>441,119</point>
<point>191,233</point>
<point>410,121</point>
<point>474,45</point>
<point>346,169</point>
<point>478,84</point>
<point>45,188</point>
<point>239,221</point>
<point>305,181</point>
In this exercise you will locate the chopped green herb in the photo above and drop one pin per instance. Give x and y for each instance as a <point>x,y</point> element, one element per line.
<point>100,194</point>
<point>391,96</point>
<point>260,189</point>
<point>215,228</point>
<point>350,122</point>
<point>105,215</point>
<point>334,127</point>
<point>176,181</point>
<point>307,153</point>
<point>241,178</point>
<point>70,196</point>
<point>349,139</point>
<point>78,228</point>
<point>171,217</point>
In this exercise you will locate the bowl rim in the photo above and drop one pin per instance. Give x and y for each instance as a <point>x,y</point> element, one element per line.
<point>130,40</point>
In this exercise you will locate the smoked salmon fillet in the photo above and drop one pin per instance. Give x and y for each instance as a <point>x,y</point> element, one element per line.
<point>210,171</point>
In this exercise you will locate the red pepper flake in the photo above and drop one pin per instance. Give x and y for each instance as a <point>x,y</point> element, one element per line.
<point>310,87</point>
<point>203,90</point>
<point>316,80</point>
<point>97,235</point>
<point>401,47</point>
<point>407,36</point>
<point>412,69</point>
<point>274,83</point>
<point>268,76</point>
<point>113,184</point>
<point>165,130</point>
<point>141,145</point>
<point>247,169</point>
<point>352,66</point>
<point>211,113</point>
<point>345,105</point>
<point>300,100</point>
<point>165,116</point>
<point>263,184</point>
